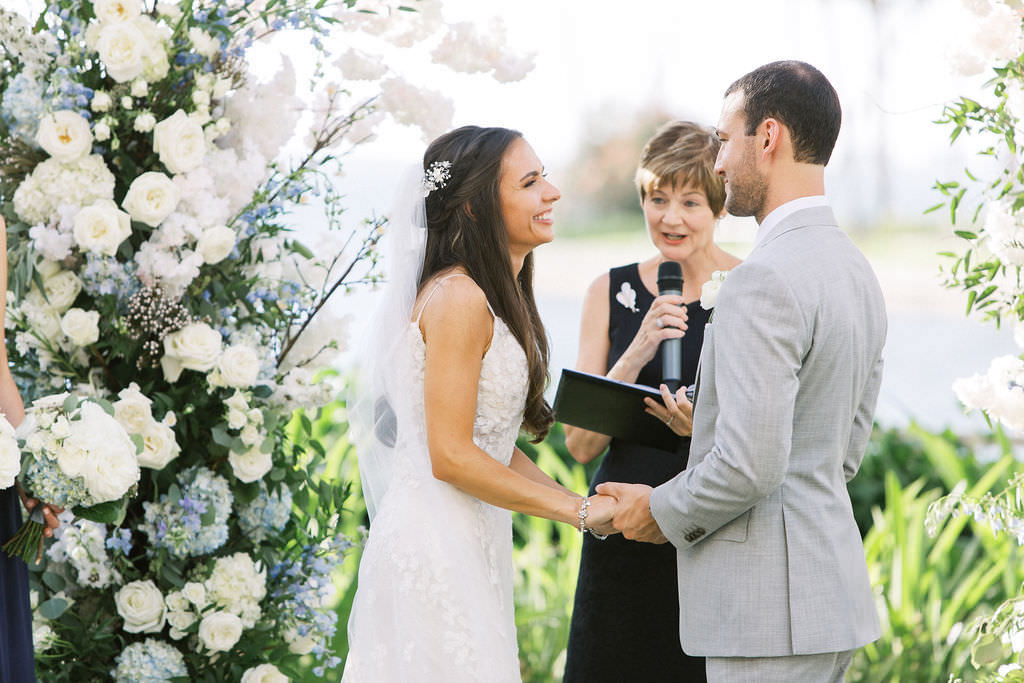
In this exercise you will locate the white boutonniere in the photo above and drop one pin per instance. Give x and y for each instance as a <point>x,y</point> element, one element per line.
<point>627,297</point>
<point>709,292</point>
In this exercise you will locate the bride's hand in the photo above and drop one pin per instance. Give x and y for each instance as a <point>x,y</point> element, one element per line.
<point>601,513</point>
<point>675,411</point>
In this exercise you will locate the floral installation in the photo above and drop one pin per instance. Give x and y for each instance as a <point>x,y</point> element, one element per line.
<point>986,209</point>
<point>627,297</point>
<point>709,290</point>
<point>152,181</point>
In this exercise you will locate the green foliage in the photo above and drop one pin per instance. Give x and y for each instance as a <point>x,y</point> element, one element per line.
<point>930,589</point>
<point>938,460</point>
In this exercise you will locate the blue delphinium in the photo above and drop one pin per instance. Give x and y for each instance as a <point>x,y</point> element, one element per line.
<point>148,662</point>
<point>22,108</point>
<point>302,589</point>
<point>266,513</point>
<point>191,519</point>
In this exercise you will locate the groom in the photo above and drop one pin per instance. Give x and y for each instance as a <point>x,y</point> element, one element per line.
<point>773,584</point>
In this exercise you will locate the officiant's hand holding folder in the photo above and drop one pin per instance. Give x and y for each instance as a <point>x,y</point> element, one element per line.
<point>610,407</point>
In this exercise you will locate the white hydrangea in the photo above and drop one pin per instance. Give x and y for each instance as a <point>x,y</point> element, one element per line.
<point>53,184</point>
<point>173,269</point>
<point>237,585</point>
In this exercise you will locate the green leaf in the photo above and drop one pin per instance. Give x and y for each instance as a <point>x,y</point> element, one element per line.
<point>140,443</point>
<point>262,391</point>
<point>173,494</point>
<point>54,582</point>
<point>70,403</point>
<point>52,608</point>
<point>104,513</point>
<point>967,235</point>
<point>221,437</point>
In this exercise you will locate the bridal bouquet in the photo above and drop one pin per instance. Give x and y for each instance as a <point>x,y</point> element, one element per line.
<point>169,328</point>
<point>78,456</point>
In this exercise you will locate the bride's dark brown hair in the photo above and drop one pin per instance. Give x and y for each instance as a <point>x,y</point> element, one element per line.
<point>465,228</point>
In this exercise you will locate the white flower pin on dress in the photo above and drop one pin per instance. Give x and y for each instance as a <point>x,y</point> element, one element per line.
<point>627,297</point>
<point>709,292</point>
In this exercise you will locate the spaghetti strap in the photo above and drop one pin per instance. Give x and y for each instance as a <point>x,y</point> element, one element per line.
<point>434,289</point>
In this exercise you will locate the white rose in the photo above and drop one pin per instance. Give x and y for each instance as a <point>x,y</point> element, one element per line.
<point>299,645</point>
<point>10,454</point>
<point>180,621</point>
<point>102,453</point>
<point>238,401</point>
<point>159,446</point>
<point>65,135</point>
<point>133,409</point>
<point>180,143</point>
<point>239,366</point>
<point>236,419</point>
<point>101,102</point>
<point>264,673</point>
<point>62,289</point>
<point>196,594</point>
<point>196,346</point>
<point>144,122</point>
<point>122,47</point>
<point>219,631</point>
<point>101,227</point>
<point>177,602</point>
<point>251,434</point>
<point>151,198</point>
<point>81,327</point>
<point>201,98</point>
<point>101,131</point>
<point>216,244</point>
<point>141,605</point>
<point>108,11</point>
<point>250,466</point>
<point>139,88</point>
<point>709,292</point>
<point>127,102</point>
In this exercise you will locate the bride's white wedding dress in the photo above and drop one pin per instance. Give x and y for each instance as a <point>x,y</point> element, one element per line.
<point>434,602</point>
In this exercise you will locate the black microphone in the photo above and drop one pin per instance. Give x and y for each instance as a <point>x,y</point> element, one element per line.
<point>670,281</point>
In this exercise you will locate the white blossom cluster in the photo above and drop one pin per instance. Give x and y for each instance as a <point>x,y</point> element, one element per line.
<point>993,35</point>
<point>999,392</point>
<point>34,50</point>
<point>81,544</point>
<point>249,460</point>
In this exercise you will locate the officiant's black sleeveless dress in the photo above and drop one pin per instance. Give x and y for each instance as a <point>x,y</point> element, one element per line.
<point>625,620</point>
<point>16,664</point>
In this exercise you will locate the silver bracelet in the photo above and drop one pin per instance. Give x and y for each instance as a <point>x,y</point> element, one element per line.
<point>582,514</point>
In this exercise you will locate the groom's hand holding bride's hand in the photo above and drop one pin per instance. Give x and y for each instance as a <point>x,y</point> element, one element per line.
<point>633,513</point>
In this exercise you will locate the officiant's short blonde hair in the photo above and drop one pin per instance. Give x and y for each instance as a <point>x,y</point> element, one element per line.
<point>682,153</point>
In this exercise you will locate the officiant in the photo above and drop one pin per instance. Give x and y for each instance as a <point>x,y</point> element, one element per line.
<point>625,621</point>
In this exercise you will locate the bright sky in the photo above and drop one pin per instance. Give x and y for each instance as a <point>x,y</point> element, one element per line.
<point>599,62</point>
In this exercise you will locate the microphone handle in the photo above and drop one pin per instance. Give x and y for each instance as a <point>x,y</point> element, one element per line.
<point>672,357</point>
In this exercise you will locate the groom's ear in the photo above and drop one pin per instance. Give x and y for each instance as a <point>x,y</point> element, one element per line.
<point>772,131</point>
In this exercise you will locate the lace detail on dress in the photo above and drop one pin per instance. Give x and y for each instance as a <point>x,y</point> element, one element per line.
<point>435,582</point>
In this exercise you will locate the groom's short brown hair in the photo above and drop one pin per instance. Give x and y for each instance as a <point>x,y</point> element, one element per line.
<point>798,96</point>
<point>682,153</point>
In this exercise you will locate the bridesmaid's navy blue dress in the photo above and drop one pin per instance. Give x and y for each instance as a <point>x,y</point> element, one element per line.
<point>16,663</point>
<point>625,620</point>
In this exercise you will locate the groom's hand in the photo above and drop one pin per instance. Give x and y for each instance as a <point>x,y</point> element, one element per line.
<point>633,513</point>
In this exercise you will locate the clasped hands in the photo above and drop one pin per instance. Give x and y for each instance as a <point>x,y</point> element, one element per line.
<point>624,508</point>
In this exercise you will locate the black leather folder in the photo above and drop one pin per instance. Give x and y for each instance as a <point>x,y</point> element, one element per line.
<point>610,407</point>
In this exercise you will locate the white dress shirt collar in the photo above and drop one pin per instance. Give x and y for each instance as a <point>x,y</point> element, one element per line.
<point>784,210</point>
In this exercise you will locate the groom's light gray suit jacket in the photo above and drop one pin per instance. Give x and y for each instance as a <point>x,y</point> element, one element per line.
<point>770,558</point>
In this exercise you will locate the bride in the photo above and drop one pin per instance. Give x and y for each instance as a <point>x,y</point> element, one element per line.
<point>456,366</point>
